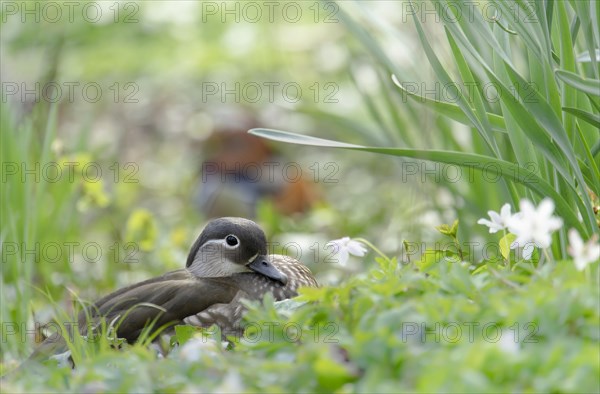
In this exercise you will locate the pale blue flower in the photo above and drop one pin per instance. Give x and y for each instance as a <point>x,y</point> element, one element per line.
<point>344,247</point>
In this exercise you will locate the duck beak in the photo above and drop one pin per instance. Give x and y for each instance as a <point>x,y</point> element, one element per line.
<point>264,267</point>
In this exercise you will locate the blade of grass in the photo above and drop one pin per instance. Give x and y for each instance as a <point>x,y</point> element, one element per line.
<point>586,85</point>
<point>447,81</point>
<point>539,108</point>
<point>469,160</point>
<point>523,18</point>
<point>452,111</point>
<point>567,62</point>
<point>586,13</point>
<point>593,119</point>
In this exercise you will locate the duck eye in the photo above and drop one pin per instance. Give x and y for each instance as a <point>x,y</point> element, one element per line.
<point>231,240</point>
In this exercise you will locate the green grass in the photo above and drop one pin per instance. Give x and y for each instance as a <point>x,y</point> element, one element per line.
<point>394,328</point>
<point>440,319</point>
<point>542,131</point>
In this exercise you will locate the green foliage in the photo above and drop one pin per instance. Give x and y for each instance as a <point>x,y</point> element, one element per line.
<point>449,230</point>
<point>141,229</point>
<point>397,328</point>
<point>539,133</point>
<point>505,243</point>
<point>442,320</point>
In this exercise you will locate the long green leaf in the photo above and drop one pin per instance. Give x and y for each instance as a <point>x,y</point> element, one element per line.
<point>520,112</point>
<point>524,20</point>
<point>540,111</point>
<point>593,119</point>
<point>470,160</point>
<point>445,79</point>
<point>586,13</point>
<point>567,62</point>
<point>586,85</point>
<point>450,110</point>
<point>469,80</point>
<point>522,147</point>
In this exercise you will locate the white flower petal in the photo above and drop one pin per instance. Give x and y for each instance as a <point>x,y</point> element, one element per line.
<point>344,247</point>
<point>505,212</point>
<point>543,241</point>
<point>554,223</point>
<point>546,207</point>
<point>532,225</point>
<point>575,240</point>
<point>355,248</point>
<point>343,257</point>
<point>583,253</point>
<point>515,223</point>
<point>339,242</point>
<point>498,221</point>
<point>580,264</point>
<point>526,206</point>
<point>485,222</point>
<point>520,241</point>
<point>493,226</point>
<point>495,217</point>
<point>528,251</point>
<point>593,253</point>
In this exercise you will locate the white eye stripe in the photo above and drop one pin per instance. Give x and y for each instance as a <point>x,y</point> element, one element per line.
<point>222,242</point>
<point>214,242</point>
<point>215,258</point>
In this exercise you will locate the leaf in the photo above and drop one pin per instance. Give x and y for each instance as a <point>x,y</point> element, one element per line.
<point>505,243</point>
<point>470,160</point>
<point>184,333</point>
<point>452,111</point>
<point>444,229</point>
<point>446,80</point>
<point>454,228</point>
<point>584,57</point>
<point>586,85</point>
<point>448,230</point>
<point>287,307</point>
<point>537,119</point>
<point>429,259</point>
<point>593,119</point>
<point>311,293</point>
<point>330,374</point>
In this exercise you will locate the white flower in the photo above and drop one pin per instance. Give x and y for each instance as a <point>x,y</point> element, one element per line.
<point>344,247</point>
<point>499,221</point>
<point>583,253</point>
<point>533,227</point>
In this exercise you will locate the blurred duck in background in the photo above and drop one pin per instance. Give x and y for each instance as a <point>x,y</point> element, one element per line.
<point>240,170</point>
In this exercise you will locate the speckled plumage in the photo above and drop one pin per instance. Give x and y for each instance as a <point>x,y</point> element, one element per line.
<point>253,286</point>
<point>227,263</point>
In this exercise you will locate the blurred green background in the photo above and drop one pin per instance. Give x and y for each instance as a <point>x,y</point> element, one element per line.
<point>111,112</point>
<point>137,91</point>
